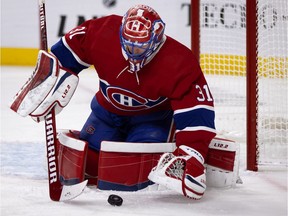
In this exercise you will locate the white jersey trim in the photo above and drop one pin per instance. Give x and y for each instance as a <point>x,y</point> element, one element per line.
<point>129,147</point>
<point>194,108</point>
<point>198,128</point>
<point>74,54</point>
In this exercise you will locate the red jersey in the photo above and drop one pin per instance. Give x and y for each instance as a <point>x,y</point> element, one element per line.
<point>171,80</point>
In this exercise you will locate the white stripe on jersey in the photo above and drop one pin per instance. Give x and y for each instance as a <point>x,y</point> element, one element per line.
<point>197,128</point>
<point>194,108</point>
<point>74,54</point>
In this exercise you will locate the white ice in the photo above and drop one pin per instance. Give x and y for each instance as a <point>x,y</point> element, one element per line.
<point>24,184</point>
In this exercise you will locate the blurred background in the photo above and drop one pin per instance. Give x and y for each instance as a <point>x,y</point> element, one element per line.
<point>19,22</point>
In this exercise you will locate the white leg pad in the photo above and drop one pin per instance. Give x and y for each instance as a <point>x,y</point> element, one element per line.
<point>222,167</point>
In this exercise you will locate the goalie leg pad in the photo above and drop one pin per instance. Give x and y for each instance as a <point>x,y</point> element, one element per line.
<point>72,154</point>
<point>125,166</point>
<point>91,171</point>
<point>222,163</point>
<point>125,171</point>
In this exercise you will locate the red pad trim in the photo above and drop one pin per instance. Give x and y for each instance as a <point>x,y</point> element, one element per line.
<point>221,159</point>
<point>126,169</point>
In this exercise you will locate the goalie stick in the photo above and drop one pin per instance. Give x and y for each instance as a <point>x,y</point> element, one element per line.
<point>57,191</point>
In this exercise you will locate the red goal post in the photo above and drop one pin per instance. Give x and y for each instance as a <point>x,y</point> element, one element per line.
<point>242,49</point>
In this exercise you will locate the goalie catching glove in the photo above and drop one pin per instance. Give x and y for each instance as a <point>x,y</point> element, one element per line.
<point>49,86</point>
<point>184,173</point>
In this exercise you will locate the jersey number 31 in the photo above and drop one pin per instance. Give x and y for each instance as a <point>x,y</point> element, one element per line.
<point>204,93</point>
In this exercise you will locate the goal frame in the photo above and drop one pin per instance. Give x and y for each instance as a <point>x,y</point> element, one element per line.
<point>251,73</point>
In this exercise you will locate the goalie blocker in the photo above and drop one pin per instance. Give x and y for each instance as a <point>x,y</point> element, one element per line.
<point>49,86</point>
<point>126,166</point>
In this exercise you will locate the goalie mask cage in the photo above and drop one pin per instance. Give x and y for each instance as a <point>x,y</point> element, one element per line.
<point>242,49</point>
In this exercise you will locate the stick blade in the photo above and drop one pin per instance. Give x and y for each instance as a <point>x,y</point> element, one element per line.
<point>70,192</point>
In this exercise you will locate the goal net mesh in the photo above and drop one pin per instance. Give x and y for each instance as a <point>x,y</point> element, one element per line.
<point>223,60</point>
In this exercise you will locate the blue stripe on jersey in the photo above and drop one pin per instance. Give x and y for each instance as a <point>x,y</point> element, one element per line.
<point>66,57</point>
<point>199,117</point>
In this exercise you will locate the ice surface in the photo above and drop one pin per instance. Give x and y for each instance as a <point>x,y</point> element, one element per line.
<point>24,186</point>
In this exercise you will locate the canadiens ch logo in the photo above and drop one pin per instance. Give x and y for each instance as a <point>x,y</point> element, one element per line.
<point>126,100</point>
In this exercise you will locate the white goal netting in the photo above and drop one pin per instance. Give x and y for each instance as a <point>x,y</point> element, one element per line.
<point>272,81</point>
<point>223,60</point>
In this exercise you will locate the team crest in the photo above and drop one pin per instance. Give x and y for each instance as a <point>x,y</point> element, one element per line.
<point>126,100</point>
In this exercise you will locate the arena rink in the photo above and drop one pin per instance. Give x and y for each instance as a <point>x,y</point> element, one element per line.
<point>24,186</point>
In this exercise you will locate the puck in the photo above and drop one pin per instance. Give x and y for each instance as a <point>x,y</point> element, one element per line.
<point>115,200</point>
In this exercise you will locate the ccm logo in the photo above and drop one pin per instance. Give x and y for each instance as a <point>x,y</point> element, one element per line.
<point>66,91</point>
